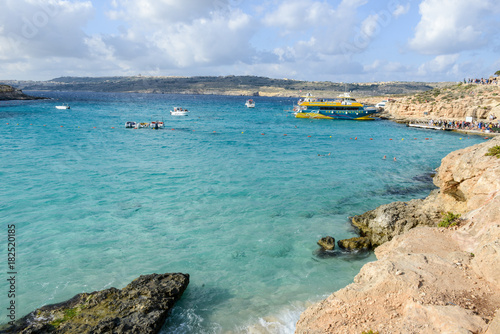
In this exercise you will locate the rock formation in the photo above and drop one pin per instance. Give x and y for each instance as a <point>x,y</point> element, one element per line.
<point>452,103</point>
<point>429,279</point>
<point>11,93</point>
<point>327,243</point>
<point>140,307</point>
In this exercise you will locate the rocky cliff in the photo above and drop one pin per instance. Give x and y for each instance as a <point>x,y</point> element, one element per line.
<point>11,93</point>
<point>453,103</point>
<point>140,307</point>
<point>428,279</point>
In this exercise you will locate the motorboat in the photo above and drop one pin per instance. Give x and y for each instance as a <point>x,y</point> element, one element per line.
<point>179,112</point>
<point>130,125</point>
<point>250,103</point>
<point>156,125</point>
<point>63,106</point>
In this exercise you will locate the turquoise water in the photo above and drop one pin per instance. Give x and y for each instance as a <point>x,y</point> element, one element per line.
<point>222,194</point>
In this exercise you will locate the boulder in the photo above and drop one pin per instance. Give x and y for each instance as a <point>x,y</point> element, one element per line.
<point>327,243</point>
<point>140,307</point>
<point>352,244</point>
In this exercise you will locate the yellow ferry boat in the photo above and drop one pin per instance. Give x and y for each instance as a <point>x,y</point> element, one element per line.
<point>344,107</point>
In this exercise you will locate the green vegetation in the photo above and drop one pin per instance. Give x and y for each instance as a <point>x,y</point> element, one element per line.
<point>497,73</point>
<point>68,314</point>
<point>494,151</point>
<point>369,332</point>
<point>449,219</point>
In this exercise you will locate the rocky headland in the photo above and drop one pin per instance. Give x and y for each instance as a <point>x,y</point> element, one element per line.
<point>11,93</point>
<point>427,279</point>
<point>453,102</point>
<point>140,307</point>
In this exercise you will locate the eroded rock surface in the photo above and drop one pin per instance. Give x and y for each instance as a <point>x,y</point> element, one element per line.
<point>140,307</point>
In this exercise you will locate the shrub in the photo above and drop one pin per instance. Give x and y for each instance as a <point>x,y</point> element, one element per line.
<point>449,219</point>
<point>494,151</point>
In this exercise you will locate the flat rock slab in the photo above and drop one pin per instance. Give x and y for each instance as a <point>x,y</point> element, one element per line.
<point>140,307</point>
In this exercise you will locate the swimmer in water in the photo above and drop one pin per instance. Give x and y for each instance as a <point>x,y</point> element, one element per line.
<point>384,157</point>
<point>394,158</point>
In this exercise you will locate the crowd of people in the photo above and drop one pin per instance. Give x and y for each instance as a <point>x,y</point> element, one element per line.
<point>483,81</point>
<point>491,126</point>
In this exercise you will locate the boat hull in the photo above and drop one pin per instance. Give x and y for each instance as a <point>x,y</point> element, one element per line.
<point>347,115</point>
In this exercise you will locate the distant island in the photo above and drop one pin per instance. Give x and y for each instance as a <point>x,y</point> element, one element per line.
<point>223,85</point>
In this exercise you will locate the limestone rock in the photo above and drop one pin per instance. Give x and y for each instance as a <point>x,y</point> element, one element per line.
<point>140,307</point>
<point>327,243</point>
<point>429,279</point>
<point>383,223</point>
<point>358,243</point>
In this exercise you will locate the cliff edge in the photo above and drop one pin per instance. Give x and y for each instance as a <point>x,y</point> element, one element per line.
<point>429,279</point>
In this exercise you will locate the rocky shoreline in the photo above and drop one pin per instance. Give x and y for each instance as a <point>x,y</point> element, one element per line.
<point>140,307</point>
<point>427,279</point>
<point>8,93</point>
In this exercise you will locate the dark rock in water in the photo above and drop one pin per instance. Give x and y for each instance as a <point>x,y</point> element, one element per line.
<point>358,243</point>
<point>140,307</point>
<point>327,243</point>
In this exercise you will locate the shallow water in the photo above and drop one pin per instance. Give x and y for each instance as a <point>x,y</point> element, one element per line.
<point>235,197</point>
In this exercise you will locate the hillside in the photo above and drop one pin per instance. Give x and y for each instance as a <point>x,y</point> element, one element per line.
<point>224,85</point>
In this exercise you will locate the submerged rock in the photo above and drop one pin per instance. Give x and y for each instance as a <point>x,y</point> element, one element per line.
<point>359,243</point>
<point>327,243</point>
<point>140,307</point>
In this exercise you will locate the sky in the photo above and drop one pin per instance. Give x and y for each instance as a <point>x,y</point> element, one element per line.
<point>328,40</point>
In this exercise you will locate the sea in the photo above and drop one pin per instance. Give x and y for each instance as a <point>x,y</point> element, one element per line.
<point>235,197</point>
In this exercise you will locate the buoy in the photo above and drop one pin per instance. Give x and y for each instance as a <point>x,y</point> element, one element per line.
<point>241,131</point>
<point>262,133</point>
<point>308,136</point>
<point>284,134</point>
<point>426,138</point>
<point>112,127</point>
<point>7,123</point>
<point>94,127</point>
<point>390,138</point>
<point>355,138</point>
<point>371,138</point>
<point>330,136</point>
<point>61,126</point>
<point>402,139</point>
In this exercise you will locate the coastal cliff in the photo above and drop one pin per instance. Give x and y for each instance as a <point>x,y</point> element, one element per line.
<point>140,307</point>
<point>427,279</point>
<point>454,102</point>
<point>11,93</point>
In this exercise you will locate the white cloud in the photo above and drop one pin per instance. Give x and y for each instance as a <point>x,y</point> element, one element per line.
<point>449,26</point>
<point>401,10</point>
<point>444,64</point>
<point>41,28</point>
<point>207,41</point>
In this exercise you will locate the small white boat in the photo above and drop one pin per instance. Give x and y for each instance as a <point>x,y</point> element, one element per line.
<point>141,125</point>
<point>130,125</point>
<point>156,125</point>
<point>250,103</point>
<point>64,106</point>
<point>179,112</point>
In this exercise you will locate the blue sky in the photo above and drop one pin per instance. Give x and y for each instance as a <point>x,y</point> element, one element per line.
<point>338,40</point>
